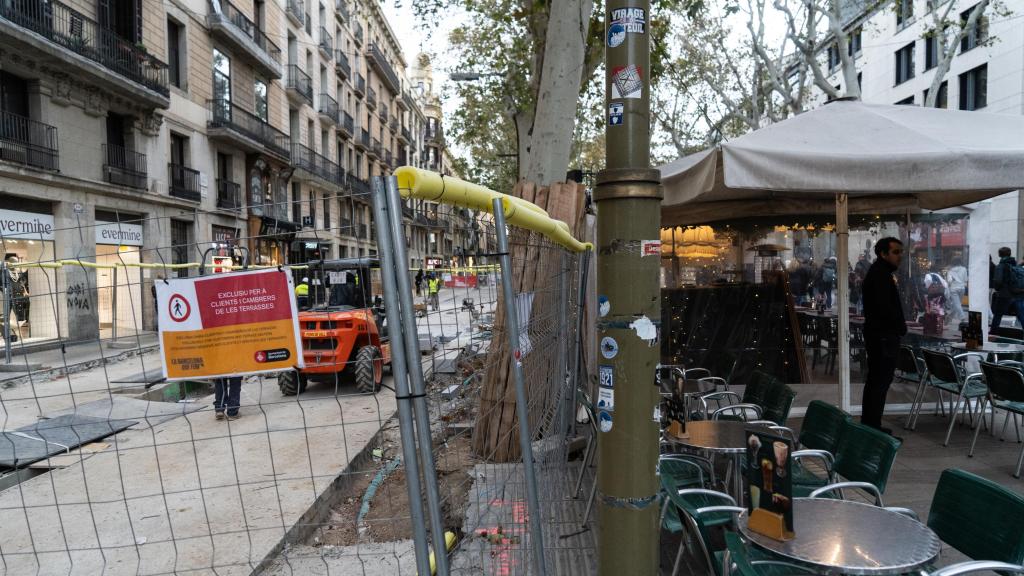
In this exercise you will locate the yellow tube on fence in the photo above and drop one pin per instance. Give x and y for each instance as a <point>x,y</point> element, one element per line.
<point>431,186</point>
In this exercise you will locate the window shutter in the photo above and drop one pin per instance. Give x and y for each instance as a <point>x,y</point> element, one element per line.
<point>104,13</point>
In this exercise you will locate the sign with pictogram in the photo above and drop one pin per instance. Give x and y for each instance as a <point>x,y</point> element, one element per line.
<point>228,325</point>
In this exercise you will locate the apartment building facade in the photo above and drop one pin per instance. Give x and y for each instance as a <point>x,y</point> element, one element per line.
<point>143,132</point>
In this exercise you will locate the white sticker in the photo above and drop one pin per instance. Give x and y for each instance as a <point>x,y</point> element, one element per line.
<point>604,306</point>
<point>627,82</point>
<point>607,377</point>
<point>615,110</point>
<point>650,248</point>
<point>604,420</point>
<point>609,347</point>
<point>632,21</point>
<point>616,34</point>
<point>657,414</point>
<point>606,399</point>
<point>645,329</point>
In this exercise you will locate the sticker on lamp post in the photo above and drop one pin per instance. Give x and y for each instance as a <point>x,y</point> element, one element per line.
<point>609,347</point>
<point>604,421</point>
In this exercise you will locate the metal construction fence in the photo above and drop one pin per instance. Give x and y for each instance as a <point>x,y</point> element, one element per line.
<point>466,444</point>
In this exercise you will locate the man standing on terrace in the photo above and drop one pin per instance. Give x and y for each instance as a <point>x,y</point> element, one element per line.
<point>884,325</point>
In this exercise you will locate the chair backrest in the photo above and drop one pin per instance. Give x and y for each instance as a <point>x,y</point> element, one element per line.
<point>865,454</point>
<point>978,517</point>
<point>823,426</point>
<point>940,365</point>
<point>1004,382</point>
<point>777,403</point>
<point>738,555</point>
<point>906,362</point>
<point>757,387</point>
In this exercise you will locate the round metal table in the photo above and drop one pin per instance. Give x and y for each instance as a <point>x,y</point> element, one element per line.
<point>710,437</point>
<point>994,348</point>
<point>844,537</point>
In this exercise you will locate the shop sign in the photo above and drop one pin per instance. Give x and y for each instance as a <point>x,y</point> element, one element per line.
<point>228,325</point>
<point>25,225</point>
<point>118,233</point>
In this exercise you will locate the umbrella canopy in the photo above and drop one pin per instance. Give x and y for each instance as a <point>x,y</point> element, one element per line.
<point>883,157</point>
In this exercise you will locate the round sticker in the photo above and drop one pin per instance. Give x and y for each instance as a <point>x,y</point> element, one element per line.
<point>604,420</point>
<point>604,306</point>
<point>609,347</point>
<point>616,35</point>
<point>178,308</point>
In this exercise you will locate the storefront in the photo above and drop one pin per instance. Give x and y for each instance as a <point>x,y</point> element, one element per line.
<point>119,288</point>
<point>27,236</point>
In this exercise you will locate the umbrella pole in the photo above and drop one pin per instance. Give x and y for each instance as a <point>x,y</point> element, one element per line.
<point>843,277</point>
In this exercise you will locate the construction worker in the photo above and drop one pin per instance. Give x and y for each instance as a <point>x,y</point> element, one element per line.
<point>302,294</point>
<point>433,287</point>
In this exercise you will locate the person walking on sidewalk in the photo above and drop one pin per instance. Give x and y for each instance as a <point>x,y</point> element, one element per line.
<point>433,288</point>
<point>884,325</point>
<point>956,277</point>
<point>419,282</point>
<point>227,397</point>
<point>1009,286</point>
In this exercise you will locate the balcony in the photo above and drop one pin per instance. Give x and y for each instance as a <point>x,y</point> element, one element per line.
<point>360,187</point>
<point>341,65</point>
<point>59,37</point>
<point>360,85</point>
<point>300,85</point>
<point>25,141</point>
<point>435,135</point>
<point>374,148</point>
<point>341,11</point>
<point>383,113</point>
<point>124,167</point>
<point>328,108</point>
<point>346,125</point>
<point>393,125</point>
<point>229,195</point>
<point>357,32</point>
<point>230,123</point>
<point>296,12</point>
<point>388,158</point>
<point>184,182</point>
<point>326,43</point>
<point>371,99</point>
<point>375,57</point>
<point>248,41</point>
<point>309,164</point>
<point>404,134</point>
<point>362,231</point>
<point>363,141</point>
<point>403,159</point>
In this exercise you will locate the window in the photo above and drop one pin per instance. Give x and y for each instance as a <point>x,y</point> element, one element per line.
<point>942,99</point>
<point>175,53</point>
<point>327,211</point>
<point>974,88</point>
<point>931,50</point>
<point>833,57</point>
<point>13,99</point>
<point>296,202</point>
<point>312,209</point>
<point>977,35</point>
<point>181,241</point>
<point>262,109</point>
<point>853,48</point>
<point>221,78</point>
<point>904,12</point>
<point>908,101</point>
<point>905,63</point>
<point>179,149</point>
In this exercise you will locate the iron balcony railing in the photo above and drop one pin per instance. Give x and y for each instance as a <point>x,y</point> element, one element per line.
<point>359,187</point>
<point>229,195</point>
<point>377,59</point>
<point>375,147</point>
<point>316,164</point>
<point>185,182</point>
<point>296,11</point>
<point>383,113</point>
<point>371,98</point>
<point>393,125</point>
<point>326,42</point>
<point>329,107</point>
<point>341,9</point>
<point>402,158</point>
<point>360,86</point>
<point>251,30</point>
<point>388,157</point>
<point>364,137</point>
<point>406,210</point>
<point>300,82</point>
<point>433,135</point>
<point>341,63</point>
<point>406,134</point>
<point>73,31</point>
<point>358,33</point>
<point>27,141</point>
<point>124,167</point>
<point>347,123</point>
<point>225,114</point>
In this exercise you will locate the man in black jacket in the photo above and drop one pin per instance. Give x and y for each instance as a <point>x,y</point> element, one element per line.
<point>883,327</point>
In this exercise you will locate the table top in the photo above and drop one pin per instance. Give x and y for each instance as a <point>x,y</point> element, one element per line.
<point>995,347</point>
<point>844,537</point>
<point>715,435</point>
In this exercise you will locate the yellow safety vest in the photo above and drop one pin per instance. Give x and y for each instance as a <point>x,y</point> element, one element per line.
<point>434,285</point>
<point>302,290</point>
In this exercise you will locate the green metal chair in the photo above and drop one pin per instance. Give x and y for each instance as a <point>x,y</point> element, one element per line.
<point>944,374</point>
<point>863,456</point>
<point>677,472</point>
<point>976,566</point>
<point>777,403</point>
<point>754,393</point>
<point>700,510</point>
<point>909,368</point>
<point>978,517</point>
<point>1005,392</point>
<point>822,426</point>
<point>739,560</point>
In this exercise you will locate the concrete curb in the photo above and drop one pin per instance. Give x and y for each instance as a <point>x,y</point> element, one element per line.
<point>51,373</point>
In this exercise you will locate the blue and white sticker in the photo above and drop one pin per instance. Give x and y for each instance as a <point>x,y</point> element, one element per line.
<point>615,110</point>
<point>604,306</point>
<point>632,21</point>
<point>606,399</point>
<point>604,421</point>
<point>607,376</point>
<point>609,347</point>
<point>616,34</point>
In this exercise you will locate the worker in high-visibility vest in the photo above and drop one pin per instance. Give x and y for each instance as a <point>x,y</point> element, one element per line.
<point>302,294</point>
<point>433,287</point>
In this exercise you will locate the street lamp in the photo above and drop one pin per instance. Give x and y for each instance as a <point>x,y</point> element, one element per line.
<point>471,76</point>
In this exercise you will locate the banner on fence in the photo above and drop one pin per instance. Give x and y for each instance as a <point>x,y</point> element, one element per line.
<point>228,325</point>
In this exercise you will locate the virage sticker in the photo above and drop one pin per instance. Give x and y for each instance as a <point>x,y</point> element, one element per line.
<point>632,21</point>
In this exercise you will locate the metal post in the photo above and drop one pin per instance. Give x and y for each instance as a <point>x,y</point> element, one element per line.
<point>566,386</point>
<point>113,307</point>
<point>843,290</point>
<point>525,445</point>
<point>400,374</point>
<point>580,323</point>
<point>420,413</point>
<point>628,196</point>
<point>7,293</point>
